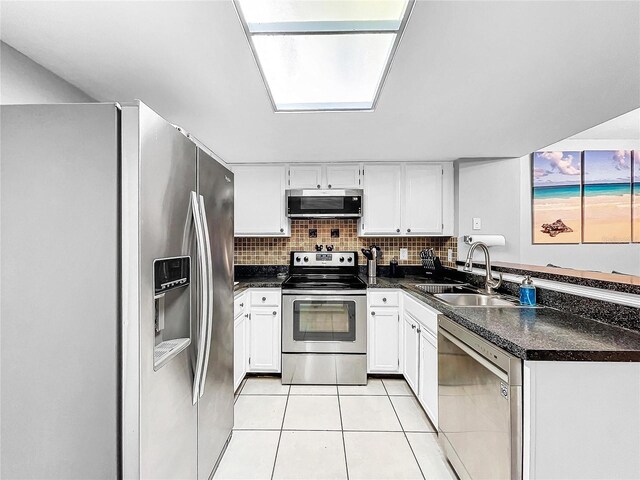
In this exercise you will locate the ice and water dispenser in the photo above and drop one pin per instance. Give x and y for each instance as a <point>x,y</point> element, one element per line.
<point>171,281</point>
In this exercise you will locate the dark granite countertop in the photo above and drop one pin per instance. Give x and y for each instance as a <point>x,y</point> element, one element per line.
<point>257,282</point>
<point>533,333</point>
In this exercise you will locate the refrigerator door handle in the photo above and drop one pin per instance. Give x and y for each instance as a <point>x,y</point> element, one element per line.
<point>209,287</point>
<point>203,297</point>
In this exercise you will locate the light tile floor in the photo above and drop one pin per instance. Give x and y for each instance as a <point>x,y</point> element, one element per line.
<point>377,431</point>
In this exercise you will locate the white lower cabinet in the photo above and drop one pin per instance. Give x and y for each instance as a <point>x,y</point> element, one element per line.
<point>383,331</point>
<point>383,340</point>
<point>411,350</point>
<point>265,338</point>
<point>240,354</point>
<point>428,374</point>
<point>421,353</point>
<point>403,338</point>
<point>240,339</point>
<point>256,333</point>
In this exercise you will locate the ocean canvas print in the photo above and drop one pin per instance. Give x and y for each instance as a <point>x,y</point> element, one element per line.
<point>557,212</point>
<point>636,195</point>
<point>607,196</point>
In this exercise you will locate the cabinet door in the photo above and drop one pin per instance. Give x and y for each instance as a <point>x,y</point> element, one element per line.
<point>259,204</point>
<point>305,176</point>
<point>411,352</point>
<point>422,212</point>
<point>381,214</point>
<point>428,382</point>
<point>343,176</point>
<point>383,351</point>
<point>239,350</point>
<point>265,340</point>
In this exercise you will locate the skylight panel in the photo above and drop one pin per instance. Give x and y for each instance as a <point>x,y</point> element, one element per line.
<point>323,55</point>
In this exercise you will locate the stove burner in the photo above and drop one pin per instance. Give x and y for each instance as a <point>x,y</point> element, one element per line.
<point>326,271</point>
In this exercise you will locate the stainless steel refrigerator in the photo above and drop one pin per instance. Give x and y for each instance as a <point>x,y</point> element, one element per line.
<point>117,294</point>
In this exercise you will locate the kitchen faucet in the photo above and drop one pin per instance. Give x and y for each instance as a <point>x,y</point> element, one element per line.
<point>490,283</point>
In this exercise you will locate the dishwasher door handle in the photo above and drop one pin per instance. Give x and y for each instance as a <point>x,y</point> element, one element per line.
<point>498,372</point>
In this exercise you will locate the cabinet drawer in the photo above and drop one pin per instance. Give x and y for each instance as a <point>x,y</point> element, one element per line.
<point>427,316</point>
<point>265,298</point>
<point>238,305</point>
<point>383,299</point>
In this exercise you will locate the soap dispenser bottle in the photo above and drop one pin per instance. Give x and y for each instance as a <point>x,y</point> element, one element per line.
<point>527,292</point>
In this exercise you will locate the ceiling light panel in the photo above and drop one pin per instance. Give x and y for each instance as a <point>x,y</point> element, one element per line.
<point>323,54</point>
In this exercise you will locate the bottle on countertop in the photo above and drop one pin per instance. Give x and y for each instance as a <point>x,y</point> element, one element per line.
<point>527,292</point>
<point>393,268</point>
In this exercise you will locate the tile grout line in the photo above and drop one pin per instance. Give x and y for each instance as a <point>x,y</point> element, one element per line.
<point>275,459</point>
<point>403,431</point>
<point>344,445</point>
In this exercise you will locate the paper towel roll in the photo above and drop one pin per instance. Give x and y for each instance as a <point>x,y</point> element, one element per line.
<point>488,240</point>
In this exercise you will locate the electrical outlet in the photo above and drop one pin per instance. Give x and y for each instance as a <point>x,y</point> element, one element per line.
<point>477,223</point>
<point>404,254</point>
<point>450,255</point>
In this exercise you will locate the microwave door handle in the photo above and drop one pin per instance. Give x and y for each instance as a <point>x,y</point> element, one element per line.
<point>202,296</point>
<point>209,288</point>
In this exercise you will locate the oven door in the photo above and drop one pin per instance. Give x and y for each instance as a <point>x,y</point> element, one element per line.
<point>324,323</point>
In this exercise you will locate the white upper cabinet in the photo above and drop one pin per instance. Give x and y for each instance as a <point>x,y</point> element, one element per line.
<point>259,205</point>
<point>381,215</point>
<point>343,176</point>
<point>422,209</point>
<point>305,176</point>
<point>408,199</point>
<point>325,176</point>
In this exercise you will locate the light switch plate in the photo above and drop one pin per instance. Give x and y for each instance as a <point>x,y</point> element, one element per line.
<point>477,223</point>
<point>404,254</point>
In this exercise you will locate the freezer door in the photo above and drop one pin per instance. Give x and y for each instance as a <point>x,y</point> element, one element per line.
<point>215,406</point>
<point>167,178</point>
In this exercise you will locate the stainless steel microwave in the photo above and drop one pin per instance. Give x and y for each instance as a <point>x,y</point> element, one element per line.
<point>327,203</point>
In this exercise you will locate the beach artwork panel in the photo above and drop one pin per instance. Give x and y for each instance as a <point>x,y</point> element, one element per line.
<point>607,196</point>
<point>556,202</point>
<point>636,195</point>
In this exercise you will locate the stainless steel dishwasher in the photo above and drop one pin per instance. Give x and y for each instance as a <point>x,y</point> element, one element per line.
<point>480,405</point>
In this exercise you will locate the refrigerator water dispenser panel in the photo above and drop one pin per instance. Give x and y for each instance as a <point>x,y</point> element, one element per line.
<point>171,273</point>
<point>171,279</point>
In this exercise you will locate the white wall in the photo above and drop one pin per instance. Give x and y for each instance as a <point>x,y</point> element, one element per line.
<point>490,190</point>
<point>24,81</point>
<point>499,192</point>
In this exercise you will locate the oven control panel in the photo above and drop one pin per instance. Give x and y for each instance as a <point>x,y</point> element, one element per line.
<point>324,259</point>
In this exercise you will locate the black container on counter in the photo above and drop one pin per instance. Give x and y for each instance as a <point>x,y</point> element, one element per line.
<point>394,269</point>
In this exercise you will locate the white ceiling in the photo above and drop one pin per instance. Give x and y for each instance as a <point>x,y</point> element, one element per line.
<point>470,79</point>
<point>624,127</point>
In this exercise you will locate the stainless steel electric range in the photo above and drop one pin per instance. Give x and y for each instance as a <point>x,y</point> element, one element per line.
<point>324,320</point>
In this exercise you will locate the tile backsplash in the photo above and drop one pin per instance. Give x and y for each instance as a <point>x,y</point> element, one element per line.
<point>275,250</point>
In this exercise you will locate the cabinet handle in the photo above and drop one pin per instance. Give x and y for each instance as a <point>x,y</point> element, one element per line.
<point>419,330</point>
<point>413,326</point>
<point>373,314</point>
<point>281,230</point>
<point>398,230</point>
<point>384,299</point>
<point>329,185</point>
<point>242,305</point>
<point>275,313</point>
<point>408,230</point>
<point>264,299</point>
<point>318,186</point>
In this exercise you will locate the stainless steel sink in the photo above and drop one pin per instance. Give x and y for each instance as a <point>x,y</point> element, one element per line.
<point>474,300</point>
<point>445,288</point>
